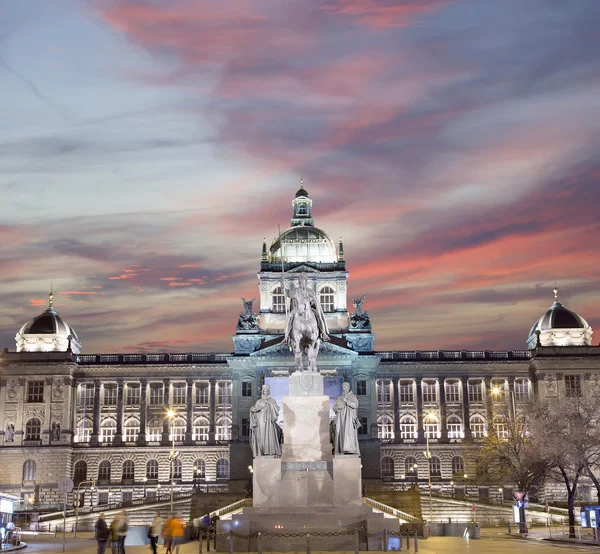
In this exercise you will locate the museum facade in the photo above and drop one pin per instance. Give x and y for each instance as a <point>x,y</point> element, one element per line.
<point>137,424</point>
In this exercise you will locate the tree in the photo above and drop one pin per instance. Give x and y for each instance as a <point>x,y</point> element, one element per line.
<point>511,454</point>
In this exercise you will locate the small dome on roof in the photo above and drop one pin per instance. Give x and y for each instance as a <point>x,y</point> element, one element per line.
<point>560,326</point>
<point>48,332</point>
<point>301,192</point>
<point>303,244</point>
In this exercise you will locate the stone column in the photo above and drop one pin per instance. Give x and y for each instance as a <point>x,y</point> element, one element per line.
<point>511,396</point>
<point>141,439</point>
<point>95,436</point>
<point>189,412</point>
<point>396,409</point>
<point>166,422</point>
<point>419,399</point>
<point>46,421</point>
<point>118,440</point>
<point>487,395</point>
<point>442,391</point>
<point>213,409</point>
<point>465,401</point>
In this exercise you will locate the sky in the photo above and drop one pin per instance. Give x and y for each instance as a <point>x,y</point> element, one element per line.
<point>147,147</point>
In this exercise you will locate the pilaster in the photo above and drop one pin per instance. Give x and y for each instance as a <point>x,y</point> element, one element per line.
<point>189,405</point>
<point>118,439</point>
<point>141,439</point>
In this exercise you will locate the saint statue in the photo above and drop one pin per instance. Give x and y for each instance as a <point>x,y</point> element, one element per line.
<point>265,434</point>
<point>9,435</point>
<point>346,422</point>
<point>56,431</point>
<point>306,326</point>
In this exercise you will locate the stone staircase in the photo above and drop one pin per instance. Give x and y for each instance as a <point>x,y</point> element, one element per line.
<point>408,501</point>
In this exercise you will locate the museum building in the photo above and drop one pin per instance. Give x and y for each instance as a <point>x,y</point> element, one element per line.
<point>138,424</point>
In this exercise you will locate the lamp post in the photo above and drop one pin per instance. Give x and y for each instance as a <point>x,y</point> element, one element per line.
<point>145,483</point>
<point>91,482</point>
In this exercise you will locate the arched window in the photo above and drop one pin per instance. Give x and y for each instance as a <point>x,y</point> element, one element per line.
<point>408,427</point>
<point>84,430</point>
<point>128,470</point>
<point>278,301</point>
<point>200,429</point>
<point>155,428</point>
<point>108,430</point>
<point>29,470</point>
<point>104,471</point>
<point>223,429</point>
<point>79,472</point>
<point>458,466</point>
<point>176,469</point>
<point>199,469</point>
<point>132,430</point>
<point>500,427</point>
<point>454,426</point>
<point>222,469</point>
<point>178,429</point>
<point>431,426</point>
<point>327,299</point>
<point>410,466</point>
<point>301,209</point>
<point>387,467</point>
<point>478,426</point>
<point>152,469</point>
<point>385,428</point>
<point>33,429</point>
<point>435,466</point>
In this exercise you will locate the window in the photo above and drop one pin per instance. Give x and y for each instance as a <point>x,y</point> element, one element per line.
<point>245,427</point>
<point>498,390</point>
<point>35,391</point>
<point>387,467</point>
<point>429,391</point>
<point>406,391</point>
<point>327,299</point>
<point>454,427</point>
<point>361,388</point>
<point>155,429</point>
<point>431,427</point>
<point>128,470</point>
<point>84,430</point>
<point>200,429</point>
<point>132,430</point>
<point>364,426</point>
<point>104,471</point>
<point>177,430</point>
<point>151,495</point>
<point>385,428</point>
<point>246,388</point>
<point>435,467</point>
<point>127,496</point>
<point>408,427</point>
<point>29,470</point>
<point>224,393</point>
<point>478,426</point>
<point>152,469</point>
<point>102,498</point>
<point>33,429</point>
<point>87,393</point>
<point>223,429</point>
<point>572,386</point>
<point>384,390</point>
<point>202,394</point>
<point>452,391</point>
<point>179,394</point>
<point>522,390</point>
<point>132,398</point>
<point>458,466</point>
<point>278,301</point>
<point>156,394</point>
<point>500,428</point>
<point>108,430</point>
<point>176,469</point>
<point>199,469</point>
<point>110,395</point>
<point>222,469</point>
<point>79,472</point>
<point>475,392</point>
<point>410,466</point>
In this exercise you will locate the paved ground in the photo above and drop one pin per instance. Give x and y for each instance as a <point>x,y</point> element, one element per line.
<point>494,541</point>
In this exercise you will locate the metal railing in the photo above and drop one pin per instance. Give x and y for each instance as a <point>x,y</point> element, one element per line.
<point>407,518</point>
<point>446,355</point>
<point>166,358</point>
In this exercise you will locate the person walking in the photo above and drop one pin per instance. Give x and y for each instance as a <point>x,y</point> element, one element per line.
<point>168,534</point>
<point>178,530</point>
<point>101,533</point>
<point>113,532</point>
<point>122,530</point>
<point>154,532</point>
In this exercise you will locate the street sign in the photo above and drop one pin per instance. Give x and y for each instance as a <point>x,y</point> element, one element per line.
<point>519,495</point>
<point>474,508</point>
<point>65,485</point>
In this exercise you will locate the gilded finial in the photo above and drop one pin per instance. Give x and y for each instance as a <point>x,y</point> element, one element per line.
<point>50,296</point>
<point>555,290</point>
<point>301,181</point>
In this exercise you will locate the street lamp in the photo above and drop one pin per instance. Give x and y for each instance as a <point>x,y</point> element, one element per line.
<point>91,482</point>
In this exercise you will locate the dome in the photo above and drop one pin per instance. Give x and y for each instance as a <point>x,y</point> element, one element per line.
<point>560,326</point>
<point>47,332</point>
<point>303,244</point>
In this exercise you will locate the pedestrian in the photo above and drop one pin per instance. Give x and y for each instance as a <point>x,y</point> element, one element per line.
<point>168,534</point>
<point>113,531</point>
<point>101,533</point>
<point>178,530</point>
<point>154,531</point>
<point>122,530</point>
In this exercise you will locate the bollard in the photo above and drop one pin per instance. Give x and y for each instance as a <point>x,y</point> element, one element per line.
<point>200,539</point>
<point>408,540</point>
<point>401,534</point>
<point>215,539</point>
<point>385,541</point>
<point>416,541</point>
<point>258,545</point>
<point>509,531</point>
<point>307,543</point>
<point>356,542</point>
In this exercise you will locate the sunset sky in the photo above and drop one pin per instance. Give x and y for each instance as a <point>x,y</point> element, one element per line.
<point>147,147</point>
